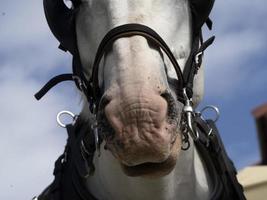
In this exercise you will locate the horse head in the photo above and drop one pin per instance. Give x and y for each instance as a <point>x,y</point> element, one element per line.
<point>139,104</point>
<point>138,66</point>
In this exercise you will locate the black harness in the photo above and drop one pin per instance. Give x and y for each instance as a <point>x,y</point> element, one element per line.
<point>76,163</point>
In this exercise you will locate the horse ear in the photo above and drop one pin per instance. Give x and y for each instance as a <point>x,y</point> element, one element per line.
<point>61,21</point>
<point>200,10</point>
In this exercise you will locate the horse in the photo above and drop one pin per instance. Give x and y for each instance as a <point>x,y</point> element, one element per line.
<point>146,145</point>
<point>142,63</point>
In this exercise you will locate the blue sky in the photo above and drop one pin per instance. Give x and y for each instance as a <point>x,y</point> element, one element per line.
<point>30,140</point>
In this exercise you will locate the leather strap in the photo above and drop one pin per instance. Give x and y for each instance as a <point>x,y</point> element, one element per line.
<point>128,30</point>
<point>71,169</point>
<point>51,83</point>
<point>92,90</point>
<point>221,169</point>
<point>194,62</point>
<point>69,182</point>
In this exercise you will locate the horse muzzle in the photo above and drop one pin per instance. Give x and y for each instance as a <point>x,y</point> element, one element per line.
<point>145,129</point>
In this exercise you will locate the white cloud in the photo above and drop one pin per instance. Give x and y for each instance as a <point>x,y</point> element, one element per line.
<point>25,36</point>
<point>238,14</point>
<point>22,23</point>
<point>241,37</point>
<point>230,61</point>
<point>30,138</point>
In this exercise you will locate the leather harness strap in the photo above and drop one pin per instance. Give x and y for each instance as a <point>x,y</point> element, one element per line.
<point>220,167</point>
<point>61,21</point>
<point>128,30</point>
<point>92,90</point>
<point>72,167</point>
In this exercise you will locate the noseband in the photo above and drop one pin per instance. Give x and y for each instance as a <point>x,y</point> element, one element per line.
<point>129,30</point>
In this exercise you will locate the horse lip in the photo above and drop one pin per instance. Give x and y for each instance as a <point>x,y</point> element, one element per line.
<point>150,169</point>
<point>153,169</point>
<point>142,164</point>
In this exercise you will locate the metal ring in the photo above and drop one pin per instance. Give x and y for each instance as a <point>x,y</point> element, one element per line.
<point>64,112</point>
<point>214,108</point>
<point>197,57</point>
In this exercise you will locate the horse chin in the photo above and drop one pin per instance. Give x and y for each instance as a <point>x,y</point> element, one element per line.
<point>155,170</point>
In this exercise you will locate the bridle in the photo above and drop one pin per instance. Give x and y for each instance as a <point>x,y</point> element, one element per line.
<point>91,89</point>
<point>80,145</point>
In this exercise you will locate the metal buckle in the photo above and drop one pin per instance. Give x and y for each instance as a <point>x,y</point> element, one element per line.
<point>65,112</point>
<point>189,112</point>
<point>197,57</point>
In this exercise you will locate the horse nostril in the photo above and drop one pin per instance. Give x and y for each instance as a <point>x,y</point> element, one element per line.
<point>167,96</point>
<point>104,126</point>
<point>172,109</point>
<point>105,99</point>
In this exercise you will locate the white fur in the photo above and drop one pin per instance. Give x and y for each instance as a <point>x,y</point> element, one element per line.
<point>187,181</point>
<point>171,19</point>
